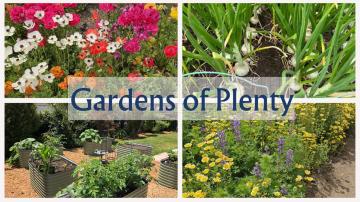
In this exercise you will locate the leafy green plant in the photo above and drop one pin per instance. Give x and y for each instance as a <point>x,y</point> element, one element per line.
<point>173,156</point>
<point>115,179</point>
<point>90,135</point>
<point>43,156</point>
<point>53,139</point>
<point>26,144</point>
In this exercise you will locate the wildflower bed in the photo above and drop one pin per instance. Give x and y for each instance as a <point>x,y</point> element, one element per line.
<point>262,158</point>
<point>48,43</point>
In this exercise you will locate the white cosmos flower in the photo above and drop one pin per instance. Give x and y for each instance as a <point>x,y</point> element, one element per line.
<point>69,16</point>
<point>16,61</point>
<point>19,85</point>
<point>33,83</point>
<point>42,67</point>
<point>31,73</point>
<point>48,77</point>
<point>32,45</point>
<point>63,21</point>
<point>111,48</point>
<point>29,24</point>
<point>52,39</point>
<point>39,14</point>
<point>89,62</point>
<point>36,36</point>
<point>91,37</point>
<point>8,51</point>
<point>103,23</point>
<point>70,41</point>
<point>76,37</point>
<point>81,43</point>
<point>21,45</point>
<point>56,18</point>
<point>63,43</point>
<point>9,31</point>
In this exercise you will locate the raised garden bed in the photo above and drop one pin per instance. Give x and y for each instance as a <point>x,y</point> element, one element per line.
<point>168,174</point>
<point>127,148</point>
<point>24,155</point>
<point>48,184</point>
<point>91,147</point>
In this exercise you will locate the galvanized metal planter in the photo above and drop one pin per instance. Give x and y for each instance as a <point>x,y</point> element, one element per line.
<point>168,174</point>
<point>140,192</point>
<point>91,147</point>
<point>127,148</point>
<point>24,158</point>
<point>47,185</point>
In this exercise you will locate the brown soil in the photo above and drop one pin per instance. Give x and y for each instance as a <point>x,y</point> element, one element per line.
<point>337,179</point>
<point>17,180</point>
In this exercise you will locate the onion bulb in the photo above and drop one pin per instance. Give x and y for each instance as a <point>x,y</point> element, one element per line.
<point>312,75</point>
<point>246,47</point>
<point>291,49</point>
<point>242,68</point>
<point>254,20</point>
<point>293,61</point>
<point>294,84</point>
<point>251,32</point>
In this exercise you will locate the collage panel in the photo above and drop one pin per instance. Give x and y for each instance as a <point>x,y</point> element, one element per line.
<point>312,156</point>
<point>48,43</point>
<point>310,47</point>
<point>48,155</point>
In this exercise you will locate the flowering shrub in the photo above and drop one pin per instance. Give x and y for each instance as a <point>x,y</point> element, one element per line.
<point>45,44</point>
<point>262,158</point>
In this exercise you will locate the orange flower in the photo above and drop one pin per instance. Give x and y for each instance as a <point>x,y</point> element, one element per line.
<point>63,85</point>
<point>92,74</point>
<point>120,40</point>
<point>92,31</point>
<point>28,90</point>
<point>94,15</point>
<point>82,55</point>
<point>91,82</point>
<point>110,70</point>
<point>99,61</point>
<point>79,74</point>
<point>8,87</point>
<point>57,71</point>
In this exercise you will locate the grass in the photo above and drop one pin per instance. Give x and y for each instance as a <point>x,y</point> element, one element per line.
<point>161,142</point>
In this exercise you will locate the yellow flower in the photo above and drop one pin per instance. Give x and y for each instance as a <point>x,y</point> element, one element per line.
<point>186,194</point>
<point>299,166</point>
<point>218,154</point>
<point>310,179</point>
<point>218,160</point>
<point>183,181</point>
<point>217,179</point>
<point>218,174</point>
<point>207,148</point>
<point>212,164</point>
<point>307,172</point>
<point>190,166</point>
<point>227,166</point>
<point>188,145</point>
<point>206,171</point>
<point>254,191</point>
<point>277,194</point>
<point>149,6</point>
<point>199,194</point>
<point>205,159</point>
<point>249,184</point>
<point>200,144</point>
<point>201,177</point>
<point>298,178</point>
<point>266,182</point>
<point>174,13</point>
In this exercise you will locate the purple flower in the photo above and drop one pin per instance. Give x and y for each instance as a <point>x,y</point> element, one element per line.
<point>283,190</point>
<point>117,55</point>
<point>256,170</point>
<point>222,140</point>
<point>281,143</point>
<point>236,129</point>
<point>203,129</point>
<point>289,157</point>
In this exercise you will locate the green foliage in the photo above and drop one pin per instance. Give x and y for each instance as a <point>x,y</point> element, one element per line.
<point>173,156</point>
<point>115,179</point>
<point>26,144</point>
<point>90,135</point>
<point>43,155</point>
<point>21,121</point>
<point>53,139</point>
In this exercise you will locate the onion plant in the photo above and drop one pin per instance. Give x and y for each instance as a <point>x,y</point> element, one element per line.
<point>326,65</point>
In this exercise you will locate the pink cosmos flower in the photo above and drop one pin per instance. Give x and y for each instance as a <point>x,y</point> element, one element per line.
<point>49,22</point>
<point>17,14</point>
<point>70,5</point>
<point>76,20</point>
<point>132,46</point>
<point>106,7</point>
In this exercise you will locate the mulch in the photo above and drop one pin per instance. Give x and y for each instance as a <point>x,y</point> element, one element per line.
<point>17,180</point>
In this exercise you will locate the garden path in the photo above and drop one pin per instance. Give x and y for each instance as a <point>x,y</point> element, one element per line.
<point>337,179</point>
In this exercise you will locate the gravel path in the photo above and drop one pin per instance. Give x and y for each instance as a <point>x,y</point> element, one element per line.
<point>17,180</point>
<point>337,179</point>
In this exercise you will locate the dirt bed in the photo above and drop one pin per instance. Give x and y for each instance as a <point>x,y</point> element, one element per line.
<point>337,179</point>
<point>17,180</point>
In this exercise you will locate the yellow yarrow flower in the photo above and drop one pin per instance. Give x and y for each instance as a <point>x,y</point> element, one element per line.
<point>217,179</point>
<point>254,191</point>
<point>298,178</point>
<point>199,194</point>
<point>307,172</point>
<point>174,13</point>
<point>212,164</point>
<point>205,159</point>
<point>277,194</point>
<point>206,171</point>
<point>190,166</point>
<point>310,179</point>
<point>188,145</point>
<point>227,166</point>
